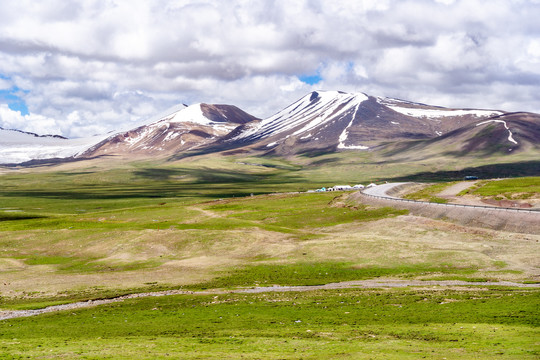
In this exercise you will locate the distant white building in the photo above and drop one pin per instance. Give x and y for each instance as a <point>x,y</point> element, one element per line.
<point>358,186</point>
<point>371,185</point>
<point>342,188</point>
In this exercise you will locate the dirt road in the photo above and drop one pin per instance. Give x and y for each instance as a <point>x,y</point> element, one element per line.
<point>384,190</point>
<point>456,188</point>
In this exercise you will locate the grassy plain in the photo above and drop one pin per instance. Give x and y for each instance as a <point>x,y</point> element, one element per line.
<point>346,324</point>
<point>105,228</point>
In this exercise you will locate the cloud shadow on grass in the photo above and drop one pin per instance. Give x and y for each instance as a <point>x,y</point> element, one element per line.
<point>161,183</point>
<point>518,169</point>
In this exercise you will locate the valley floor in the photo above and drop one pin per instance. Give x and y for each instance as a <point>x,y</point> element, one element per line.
<point>383,283</point>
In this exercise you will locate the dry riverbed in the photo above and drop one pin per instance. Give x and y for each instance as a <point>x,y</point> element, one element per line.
<point>362,284</point>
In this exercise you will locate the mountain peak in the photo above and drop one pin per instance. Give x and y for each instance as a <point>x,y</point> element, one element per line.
<point>189,128</point>
<point>337,120</point>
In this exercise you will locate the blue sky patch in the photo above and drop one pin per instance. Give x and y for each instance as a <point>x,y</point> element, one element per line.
<point>310,79</point>
<point>13,101</point>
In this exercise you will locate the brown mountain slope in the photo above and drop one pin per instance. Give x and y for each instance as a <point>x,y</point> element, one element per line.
<point>505,134</point>
<point>338,121</point>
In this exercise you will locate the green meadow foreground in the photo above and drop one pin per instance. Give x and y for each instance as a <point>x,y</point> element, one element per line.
<point>74,233</point>
<point>348,324</point>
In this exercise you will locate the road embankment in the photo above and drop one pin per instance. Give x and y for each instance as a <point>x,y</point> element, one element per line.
<point>506,219</point>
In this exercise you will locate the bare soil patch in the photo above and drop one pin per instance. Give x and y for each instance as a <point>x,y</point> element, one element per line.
<point>507,203</point>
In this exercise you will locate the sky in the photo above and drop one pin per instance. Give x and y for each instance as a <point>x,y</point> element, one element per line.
<point>84,67</point>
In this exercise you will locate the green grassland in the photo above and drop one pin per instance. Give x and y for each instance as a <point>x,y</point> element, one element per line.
<point>520,188</point>
<point>345,324</point>
<point>122,225</point>
<point>101,229</point>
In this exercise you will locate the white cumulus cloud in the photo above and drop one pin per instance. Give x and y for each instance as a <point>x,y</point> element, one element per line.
<point>90,66</point>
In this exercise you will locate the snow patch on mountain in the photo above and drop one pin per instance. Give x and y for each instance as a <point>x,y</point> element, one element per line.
<point>343,136</point>
<point>425,111</point>
<point>308,113</point>
<point>438,113</point>
<point>510,137</point>
<point>352,147</point>
<point>193,114</point>
<point>171,136</point>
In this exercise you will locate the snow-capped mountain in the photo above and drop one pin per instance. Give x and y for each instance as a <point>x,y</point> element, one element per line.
<point>178,128</point>
<point>310,119</point>
<point>320,121</point>
<point>191,127</point>
<point>18,146</point>
<point>336,120</point>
